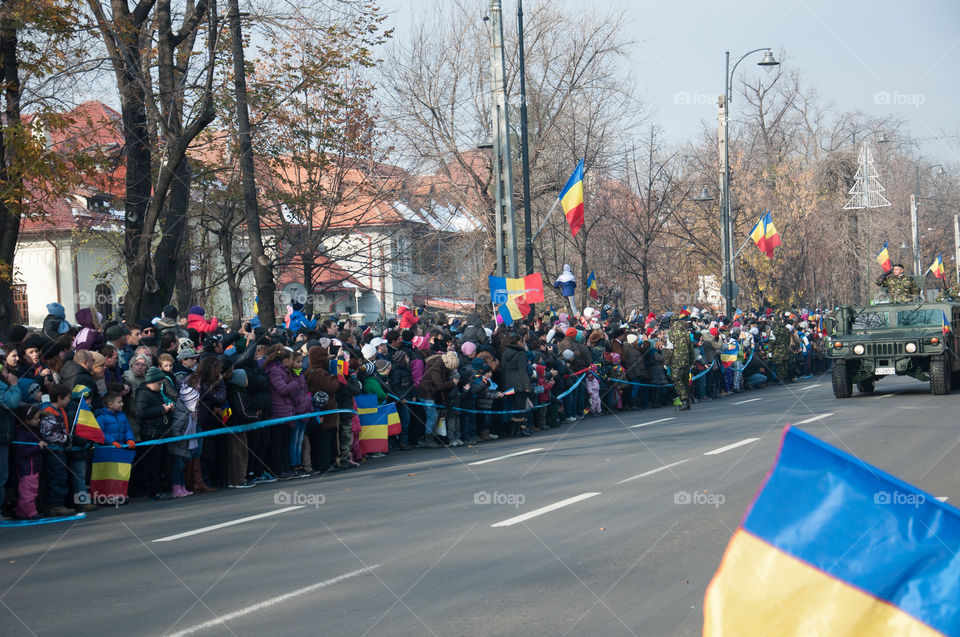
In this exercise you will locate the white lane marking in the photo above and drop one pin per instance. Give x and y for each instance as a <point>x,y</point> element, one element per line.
<point>729,447</point>
<point>942,498</point>
<point>652,422</point>
<point>279,599</point>
<point>744,402</point>
<point>205,529</point>
<point>509,455</point>
<point>546,509</point>
<point>653,471</point>
<point>814,418</point>
<point>809,387</point>
<point>883,396</point>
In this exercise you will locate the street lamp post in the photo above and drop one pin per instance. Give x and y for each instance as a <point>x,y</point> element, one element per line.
<point>524,151</point>
<point>728,288</point>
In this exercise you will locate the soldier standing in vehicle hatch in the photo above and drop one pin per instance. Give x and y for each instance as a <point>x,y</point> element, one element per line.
<point>900,287</point>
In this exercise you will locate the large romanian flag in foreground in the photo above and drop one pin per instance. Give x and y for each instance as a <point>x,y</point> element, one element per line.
<point>503,289</point>
<point>571,198</point>
<point>833,546</point>
<point>110,472</point>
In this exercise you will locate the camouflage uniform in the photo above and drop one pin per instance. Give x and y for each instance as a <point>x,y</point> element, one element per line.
<point>681,361</point>
<point>781,351</point>
<point>901,289</point>
<point>952,293</point>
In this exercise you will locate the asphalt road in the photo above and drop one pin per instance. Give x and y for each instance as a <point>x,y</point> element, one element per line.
<point>426,543</point>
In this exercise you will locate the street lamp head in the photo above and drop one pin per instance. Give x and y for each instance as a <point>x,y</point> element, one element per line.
<point>704,196</point>
<point>882,138</point>
<point>486,144</point>
<point>768,61</point>
<point>939,171</point>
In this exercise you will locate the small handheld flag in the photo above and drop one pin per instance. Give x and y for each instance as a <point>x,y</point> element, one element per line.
<point>225,412</point>
<point>373,433</point>
<point>85,425</point>
<point>571,198</point>
<point>946,324</point>
<point>883,258</point>
<point>765,234</point>
<point>684,311</point>
<point>937,267</point>
<point>592,287</point>
<point>338,368</point>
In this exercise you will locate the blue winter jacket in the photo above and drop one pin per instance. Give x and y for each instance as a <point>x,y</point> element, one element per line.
<point>9,400</point>
<point>298,321</point>
<point>567,288</point>
<point>115,426</point>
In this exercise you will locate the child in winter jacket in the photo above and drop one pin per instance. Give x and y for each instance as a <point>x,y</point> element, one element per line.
<point>196,321</point>
<point>54,430</point>
<point>29,460</point>
<point>114,423</point>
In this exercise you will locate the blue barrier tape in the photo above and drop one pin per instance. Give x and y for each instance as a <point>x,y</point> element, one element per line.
<point>502,411</point>
<point>212,432</point>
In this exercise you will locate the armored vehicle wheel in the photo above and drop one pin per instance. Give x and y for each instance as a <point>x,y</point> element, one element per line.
<point>842,385</point>
<point>867,386</point>
<point>939,375</point>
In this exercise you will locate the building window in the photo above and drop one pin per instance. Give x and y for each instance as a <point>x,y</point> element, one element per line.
<point>104,301</point>
<point>20,301</point>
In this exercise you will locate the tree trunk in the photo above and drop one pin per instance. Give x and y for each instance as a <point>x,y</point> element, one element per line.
<point>645,284</point>
<point>308,304</point>
<point>262,274</point>
<point>9,210</point>
<point>172,228</point>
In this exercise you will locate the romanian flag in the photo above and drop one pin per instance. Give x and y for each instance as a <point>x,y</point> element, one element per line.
<point>592,287</point>
<point>765,235</point>
<point>388,414</point>
<point>373,432</point>
<point>85,425</point>
<point>729,353</point>
<point>883,258</point>
<point>511,310</point>
<point>937,266</point>
<point>571,198</point>
<point>338,368</point>
<point>110,471</point>
<point>503,289</point>
<point>225,412</point>
<point>946,324</point>
<point>552,313</point>
<point>834,546</point>
<point>684,312</point>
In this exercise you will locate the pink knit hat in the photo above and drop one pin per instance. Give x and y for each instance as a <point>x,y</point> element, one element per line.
<point>419,342</point>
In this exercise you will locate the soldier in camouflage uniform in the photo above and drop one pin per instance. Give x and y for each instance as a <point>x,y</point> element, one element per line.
<point>900,287</point>
<point>951,293</point>
<point>781,350</point>
<point>681,361</point>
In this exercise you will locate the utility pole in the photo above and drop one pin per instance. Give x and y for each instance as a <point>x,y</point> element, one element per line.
<point>524,151</point>
<point>726,277</point>
<point>503,166</point>
<point>956,243</point>
<point>915,222</point>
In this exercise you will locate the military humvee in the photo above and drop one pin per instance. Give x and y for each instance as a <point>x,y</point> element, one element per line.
<point>916,339</point>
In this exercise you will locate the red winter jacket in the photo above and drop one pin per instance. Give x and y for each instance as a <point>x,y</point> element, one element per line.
<point>407,318</point>
<point>202,325</point>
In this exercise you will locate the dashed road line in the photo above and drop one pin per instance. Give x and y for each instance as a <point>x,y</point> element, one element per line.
<point>653,471</point>
<point>729,447</point>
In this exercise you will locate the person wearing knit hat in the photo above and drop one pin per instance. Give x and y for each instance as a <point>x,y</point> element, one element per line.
<point>153,375</point>
<point>571,332</point>
<point>420,342</point>
<point>631,338</point>
<point>55,323</point>
<point>368,368</point>
<point>196,321</point>
<point>450,360</point>
<point>369,352</point>
<point>382,366</point>
<point>567,355</point>
<point>479,365</point>
<point>468,349</point>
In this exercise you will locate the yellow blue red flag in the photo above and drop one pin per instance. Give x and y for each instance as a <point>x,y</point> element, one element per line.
<point>592,287</point>
<point>937,267</point>
<point>883,258</point>
<point>85,425</point>
<point>765,234</point>
<point>834,546</point>
<point>571,198</point>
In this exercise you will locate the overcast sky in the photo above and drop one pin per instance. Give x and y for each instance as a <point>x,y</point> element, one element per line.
<point>882,57</point>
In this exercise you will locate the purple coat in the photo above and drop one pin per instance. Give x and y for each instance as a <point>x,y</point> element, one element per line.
<point>288,392</point>
<point>29,457</point>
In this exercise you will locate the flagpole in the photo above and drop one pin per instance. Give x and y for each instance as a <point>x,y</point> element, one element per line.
<point>742,246</point>
<point>547,218</point>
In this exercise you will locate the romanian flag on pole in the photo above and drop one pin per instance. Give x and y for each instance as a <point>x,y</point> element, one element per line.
<point>946,324</point>
<point>85,425</point>
<point>765,234</point>
<point>338,368</point>
<point>503,289</point>
<point>110,471</point>
<point>684,311</point>
<point>729,353</point>
<point>937,266</point>
<point>514,309</point>
<point>592,287</point>
<point>571,198</point>
<point>373,432</point>
<point>883,258</point>
<point>855,552</point>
